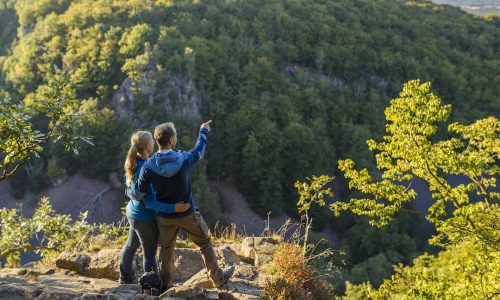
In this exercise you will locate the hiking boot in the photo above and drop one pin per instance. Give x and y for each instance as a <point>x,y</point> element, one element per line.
<point>226,275</point>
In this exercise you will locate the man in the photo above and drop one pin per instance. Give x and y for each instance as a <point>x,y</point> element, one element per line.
<point>168,172</point>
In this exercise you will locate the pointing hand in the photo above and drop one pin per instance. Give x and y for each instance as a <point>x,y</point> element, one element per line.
<point>206,125</point>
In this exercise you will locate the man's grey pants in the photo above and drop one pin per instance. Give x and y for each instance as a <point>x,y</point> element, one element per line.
<point>197,230</point>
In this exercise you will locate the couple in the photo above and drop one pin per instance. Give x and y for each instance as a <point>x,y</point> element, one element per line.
<point>161,203</point>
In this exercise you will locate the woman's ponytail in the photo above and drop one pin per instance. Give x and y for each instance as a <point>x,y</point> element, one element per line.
<point>138,144</point>
<point>130,163</point>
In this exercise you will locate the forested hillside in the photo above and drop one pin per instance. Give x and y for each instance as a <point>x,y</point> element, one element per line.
<point>292,86</point>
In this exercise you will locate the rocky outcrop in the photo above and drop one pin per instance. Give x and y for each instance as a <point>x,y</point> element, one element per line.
<point>105,264</point>
<point>260,249</point>
<point>172,93</point>
<point>93,276</point>
<point>187,262</point>
<point>77,262</point>
<point>102,264</point>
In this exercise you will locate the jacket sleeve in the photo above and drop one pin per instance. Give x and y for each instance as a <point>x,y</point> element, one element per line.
<point>197,152</point>
<point>158,206</point>
<point>142,186</point>
<point>150,202</point>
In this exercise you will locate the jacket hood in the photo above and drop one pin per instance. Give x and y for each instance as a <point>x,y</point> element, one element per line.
<point>165,164</point>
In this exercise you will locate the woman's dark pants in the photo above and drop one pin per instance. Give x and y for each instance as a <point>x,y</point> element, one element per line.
<point>145,234</point>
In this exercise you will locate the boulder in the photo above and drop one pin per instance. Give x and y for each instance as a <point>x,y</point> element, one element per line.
<point>240,286</point>
<point>58,295</point>
<point>245,271</point>
<point>93,296</point>
<point>184,292</point>
<point>227,256</point>
<point>260,249</point>
<point>77,262</point>
<point>201,280</point>
<point>187,262</point>
<point>127,291</point>
<point>104,264</point>
<point>14,291</point>
<point>238,296</point>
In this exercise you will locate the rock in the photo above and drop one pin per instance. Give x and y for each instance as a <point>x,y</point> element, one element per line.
<point>40,271</point>
<point>77,262</point>
<point>260,249</point>
<point>187,262</point>
<point>12,291</point>
<point>58,295</point>
<point>17,288</point>
<point>127,291</point>
<point>243,287</point>
<point>14,271</point>
<point>227,256</point>
<point>197,293</point>
<point>238,296</point>
<point>245,271</point>
<point>94,296</point>
<point>201,280</point>
<point>236,247</point>
<point>104,264</point>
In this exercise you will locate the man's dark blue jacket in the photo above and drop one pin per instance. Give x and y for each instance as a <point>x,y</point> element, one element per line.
<point>168,172</point>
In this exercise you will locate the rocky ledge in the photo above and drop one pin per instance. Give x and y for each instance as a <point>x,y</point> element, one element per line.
<point>94,275</point>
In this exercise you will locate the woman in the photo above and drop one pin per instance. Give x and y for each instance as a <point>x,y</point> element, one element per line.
<point>141,215</point>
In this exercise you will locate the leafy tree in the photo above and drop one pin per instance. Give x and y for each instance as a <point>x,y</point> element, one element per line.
<point>311,193</point>
<point>20,141</point>
<point>408,151</point>
<point>464,224</point>
<point>43,233</point>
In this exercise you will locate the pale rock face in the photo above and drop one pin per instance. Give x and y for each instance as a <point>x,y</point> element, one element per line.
<point>77,262</point>
<point>260,249</point>
<point>174,94</point>
<point>187,262</point>
<point>227,256</point>
<point>245,271</point>
<point>104,264</point>
<point>200,279</point>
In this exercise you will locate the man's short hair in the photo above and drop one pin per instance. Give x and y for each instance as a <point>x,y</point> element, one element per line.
<point>163,133</point>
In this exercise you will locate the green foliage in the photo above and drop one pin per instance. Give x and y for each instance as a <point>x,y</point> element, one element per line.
<point>20,141</point>
<point>100,158</point>
<point>44,233</point>
<point>407,151</point>
<point>462,271</point>
<point>311,193</point>
<point>8,26</point>
<point>469,233</point>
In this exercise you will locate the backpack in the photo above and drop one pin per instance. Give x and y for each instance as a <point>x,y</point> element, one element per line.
<point>150,283</point>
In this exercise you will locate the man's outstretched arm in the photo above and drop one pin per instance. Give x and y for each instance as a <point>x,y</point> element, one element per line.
<point>198,151</point>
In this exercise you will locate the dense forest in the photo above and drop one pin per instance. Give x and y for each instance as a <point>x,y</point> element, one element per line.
<point>292,86</point>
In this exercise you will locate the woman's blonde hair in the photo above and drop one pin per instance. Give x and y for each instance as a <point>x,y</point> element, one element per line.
<point>139,142</point>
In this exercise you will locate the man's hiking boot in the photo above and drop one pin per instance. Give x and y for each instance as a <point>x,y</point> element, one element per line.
<point>227,274</point>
